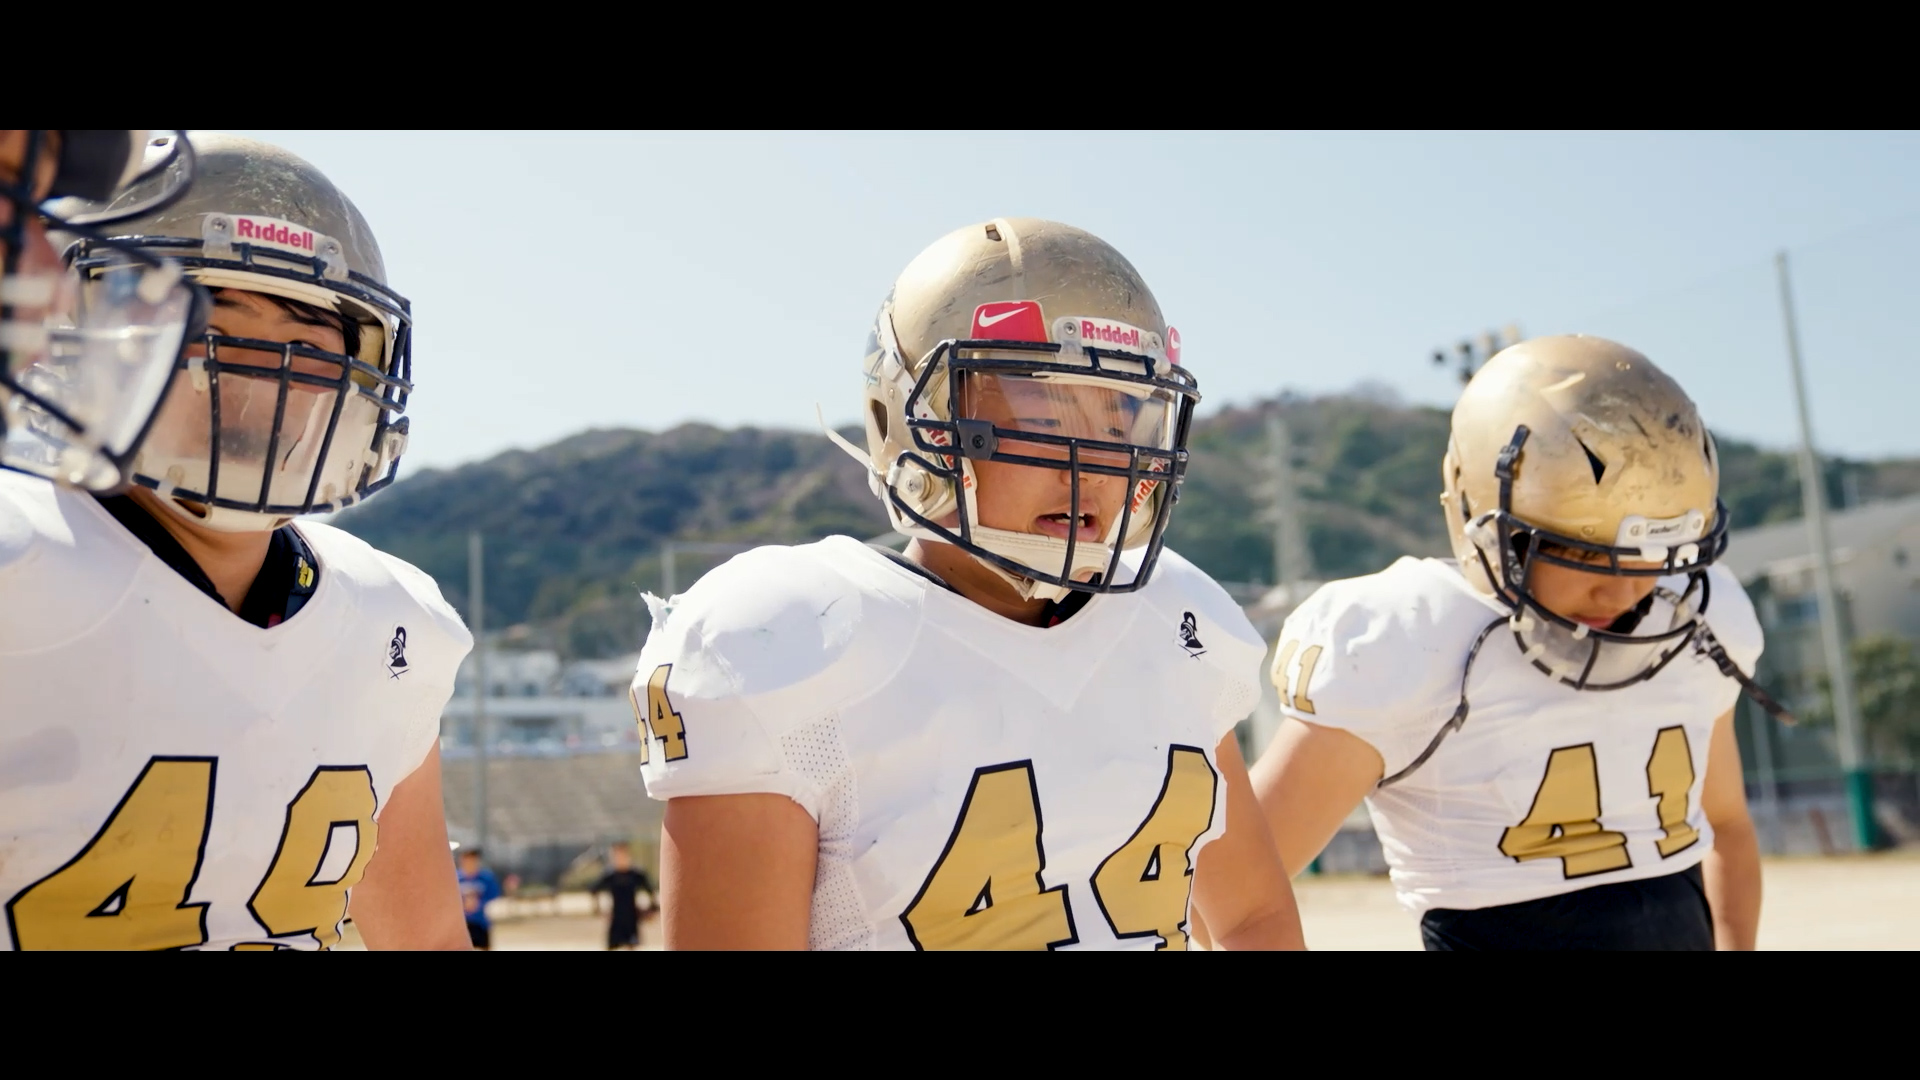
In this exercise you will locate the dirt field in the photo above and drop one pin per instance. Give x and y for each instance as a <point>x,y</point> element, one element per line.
<point>1843,902</point>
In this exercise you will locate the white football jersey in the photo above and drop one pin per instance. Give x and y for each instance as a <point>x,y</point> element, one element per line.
<point>1546,789</point>
<point>174,777</point>
<point>978,783</point>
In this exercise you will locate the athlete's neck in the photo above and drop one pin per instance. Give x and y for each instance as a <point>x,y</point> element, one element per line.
<point>231,560</point>
<point>975,582</point>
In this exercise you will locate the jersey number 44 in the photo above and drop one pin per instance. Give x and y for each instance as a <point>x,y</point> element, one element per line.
<point>987,890</point>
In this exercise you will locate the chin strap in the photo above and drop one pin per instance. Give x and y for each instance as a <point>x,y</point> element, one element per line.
<point>1703,642</point>
<point>1459,717</point>
<point>1708,646</point>
<point>839,440</point>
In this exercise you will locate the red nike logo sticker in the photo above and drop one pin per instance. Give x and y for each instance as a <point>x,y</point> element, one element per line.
<point>1010,320</point>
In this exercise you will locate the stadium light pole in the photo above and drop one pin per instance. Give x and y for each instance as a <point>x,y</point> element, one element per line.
<point>477,615</point>
<point>1477,350</point>
<point>1813,497</point>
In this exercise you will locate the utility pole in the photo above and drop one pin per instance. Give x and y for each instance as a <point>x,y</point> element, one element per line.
<point>671,550</point>
<point>1292,559</point>
<point>477,616</point>
<point>1813,496</point>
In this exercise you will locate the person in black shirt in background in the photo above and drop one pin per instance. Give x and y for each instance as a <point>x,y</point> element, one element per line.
<point>626,884</point>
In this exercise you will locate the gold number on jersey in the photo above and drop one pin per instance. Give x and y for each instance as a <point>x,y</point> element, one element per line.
<point>1143,888</point>
<point>1564,823</point>
<point>128,888</point>
<point>986,892</point>
<point>640,719</point>
<point>658,714</point>
<point>324,849</point>
<point>1565,820</point>
<point>1670,779</point>
<point>1309,660</point>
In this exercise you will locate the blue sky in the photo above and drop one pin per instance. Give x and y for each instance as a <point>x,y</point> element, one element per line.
<point>574,280</point>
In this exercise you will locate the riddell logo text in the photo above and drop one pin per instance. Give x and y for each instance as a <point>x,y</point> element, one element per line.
<point>1109,333</point>
<point>272,232</point>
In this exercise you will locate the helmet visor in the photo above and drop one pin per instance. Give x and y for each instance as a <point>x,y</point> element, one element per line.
<point>262,426</point>
<point>1040,416</point>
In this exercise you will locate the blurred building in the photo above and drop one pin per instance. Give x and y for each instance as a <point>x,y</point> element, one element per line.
<point>563,768</point>
<point>1793,773</point>
<point>538,705</point>
<point>1876,565</point>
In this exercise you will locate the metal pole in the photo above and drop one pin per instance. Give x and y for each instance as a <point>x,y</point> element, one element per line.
<point>1813,495</point>
<point>1760,726</point>
<point>477,616</point>
<point>667,570</point>
<point>1292,561</point>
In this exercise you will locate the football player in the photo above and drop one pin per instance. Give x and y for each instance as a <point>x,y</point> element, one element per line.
<point>217,725</point>
<point>82,373</point>
<point>1542,728</point>
<point>1018,734</point>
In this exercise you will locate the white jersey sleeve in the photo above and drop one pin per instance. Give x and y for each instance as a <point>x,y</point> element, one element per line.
<point>772,641</point>
<point>1381,656</point>
<point>1215,632</point>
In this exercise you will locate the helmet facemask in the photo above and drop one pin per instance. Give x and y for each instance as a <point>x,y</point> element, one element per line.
<point>84,365</point>
<point>1644,640</point>
<point>1080,411</point>
<point>255,431</point>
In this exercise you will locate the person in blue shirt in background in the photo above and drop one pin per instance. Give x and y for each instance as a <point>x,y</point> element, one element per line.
<point>477,887</point>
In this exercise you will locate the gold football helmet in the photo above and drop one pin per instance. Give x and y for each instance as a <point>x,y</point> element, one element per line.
<point>1026,306</point>
<point>240,446</point>
<point>1578,451</point>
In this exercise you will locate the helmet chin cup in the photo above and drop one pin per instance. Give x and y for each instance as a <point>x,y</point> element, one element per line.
<point>1028,549</point>
<point>221,519</point>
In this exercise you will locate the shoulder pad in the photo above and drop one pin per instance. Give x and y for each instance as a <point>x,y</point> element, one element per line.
<point>343,553</point>
<point>768,642</point>
<point>1731,617</point>
<point>16,527</point>
<point>1376,653</point>
<point>782,621</point>
<point>64,563</point>
<point>1178,584</point>
<point>1184,596</point>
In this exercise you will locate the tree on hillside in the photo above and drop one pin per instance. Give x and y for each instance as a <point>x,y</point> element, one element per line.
<point>1886,677</point>
<point>574,530</point>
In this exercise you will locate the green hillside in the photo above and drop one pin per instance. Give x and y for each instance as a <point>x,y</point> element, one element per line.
<point>574,529</point>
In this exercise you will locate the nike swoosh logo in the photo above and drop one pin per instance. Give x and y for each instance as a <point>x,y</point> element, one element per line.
<point>989,320</point>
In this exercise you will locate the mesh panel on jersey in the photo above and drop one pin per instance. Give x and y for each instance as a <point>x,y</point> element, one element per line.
<point>1242,698</point>
<point>839,916</point>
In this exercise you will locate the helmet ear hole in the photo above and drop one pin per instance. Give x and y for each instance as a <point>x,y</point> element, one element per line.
<point>878,411</point>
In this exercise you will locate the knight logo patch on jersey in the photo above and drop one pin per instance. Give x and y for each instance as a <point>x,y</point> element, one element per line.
<point>1018,320</point>
<point>1190,635</point>
<point>397,653</point>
